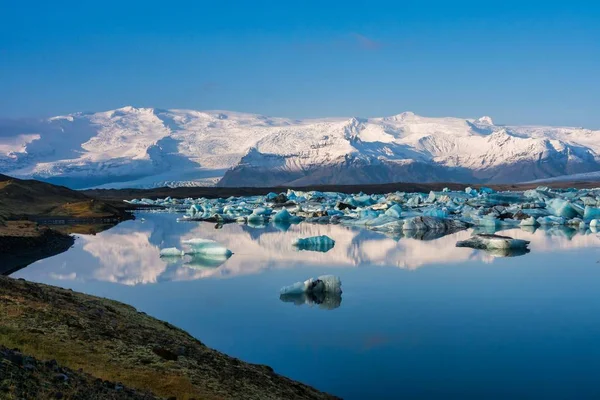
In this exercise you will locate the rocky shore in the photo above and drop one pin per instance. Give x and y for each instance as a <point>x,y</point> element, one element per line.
<point>107,349</point>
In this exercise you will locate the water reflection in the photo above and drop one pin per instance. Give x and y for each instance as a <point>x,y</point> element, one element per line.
<point>506,252</point>
<point>129,253</point>
<point>201,262</point>
<point>325,300</point>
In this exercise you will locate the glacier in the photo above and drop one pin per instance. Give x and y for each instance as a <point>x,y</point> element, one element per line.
<point>149,147</point>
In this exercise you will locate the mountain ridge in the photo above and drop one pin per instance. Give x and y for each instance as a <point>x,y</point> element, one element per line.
<point>147,147</point>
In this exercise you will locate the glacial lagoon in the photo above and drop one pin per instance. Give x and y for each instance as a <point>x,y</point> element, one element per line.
<point>417,318</point>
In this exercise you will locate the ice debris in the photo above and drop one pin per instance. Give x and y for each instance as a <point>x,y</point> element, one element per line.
<point>171,252</point>
<point>321,243</point>
<point>400,214</point>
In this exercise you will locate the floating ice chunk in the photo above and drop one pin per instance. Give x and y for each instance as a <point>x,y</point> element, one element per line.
<point>471,191</point>
<point>171,252</point>
<point>322,284</point>
<point>367,213</point>
<point>595,223</point>
<point>207,247</point>
<point>435,212</point>
<point>551,220</point>
<point>321,243</point>
<point>591,213</point>
<point>432,223</point>
<point>363,200</point>
<point>282,215</point>
<point>486,242</point>
<point>414,201</point>
<point>262,211</point>
<point>394,211</point>
<point>529,222</point>
<point>561,208</point>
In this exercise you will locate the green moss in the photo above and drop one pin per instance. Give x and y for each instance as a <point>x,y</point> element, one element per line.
<point>114,342</point>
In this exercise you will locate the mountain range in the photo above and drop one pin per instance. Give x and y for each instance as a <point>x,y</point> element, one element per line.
<point>147,147</point>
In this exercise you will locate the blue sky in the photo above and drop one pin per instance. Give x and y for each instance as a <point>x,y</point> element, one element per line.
<point>536,63</point>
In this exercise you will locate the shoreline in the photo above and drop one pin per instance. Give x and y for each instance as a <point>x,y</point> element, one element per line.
<point>114,342</point>
<point>119,195</point>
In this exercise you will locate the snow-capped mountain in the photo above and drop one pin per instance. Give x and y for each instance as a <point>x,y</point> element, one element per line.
<point>145,147</point>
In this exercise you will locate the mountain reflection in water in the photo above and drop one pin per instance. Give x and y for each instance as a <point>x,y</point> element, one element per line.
<point>129,253</point>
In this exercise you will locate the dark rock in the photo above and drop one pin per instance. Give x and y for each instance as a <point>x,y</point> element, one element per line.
<point>342,206</point>
<point>520,215</point>
<point>29,367</point>
<point>61,378</point>
<point>165,354</point>
<point>15,357</point>
<point>280,199</point>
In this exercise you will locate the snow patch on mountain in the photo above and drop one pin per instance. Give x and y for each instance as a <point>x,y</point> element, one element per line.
<point>146,147</point>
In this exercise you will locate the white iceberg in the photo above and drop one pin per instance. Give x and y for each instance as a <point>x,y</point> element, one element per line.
<point>207,247</point>
<point>171,252</point>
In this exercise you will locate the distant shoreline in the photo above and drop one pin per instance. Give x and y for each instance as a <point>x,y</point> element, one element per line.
<point>112,195</point>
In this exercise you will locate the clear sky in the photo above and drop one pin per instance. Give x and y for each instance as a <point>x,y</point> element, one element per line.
<point>534,62</point>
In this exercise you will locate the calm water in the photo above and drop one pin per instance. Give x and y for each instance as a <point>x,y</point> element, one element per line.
<point>418,319</point>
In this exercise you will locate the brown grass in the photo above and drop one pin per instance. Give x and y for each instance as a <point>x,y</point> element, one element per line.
<point>114,342</point>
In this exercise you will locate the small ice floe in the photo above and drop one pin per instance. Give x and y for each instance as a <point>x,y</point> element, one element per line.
<point>324,283</point>
<point>207,247</point>
<point>321,243</point>
<point>171,252</point>
<point>493,242</point>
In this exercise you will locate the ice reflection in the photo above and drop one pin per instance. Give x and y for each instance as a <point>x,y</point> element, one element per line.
<point>129,253</point>
<point>324,300</point>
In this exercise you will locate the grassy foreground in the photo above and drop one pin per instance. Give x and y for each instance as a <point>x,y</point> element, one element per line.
<point>111,341</point>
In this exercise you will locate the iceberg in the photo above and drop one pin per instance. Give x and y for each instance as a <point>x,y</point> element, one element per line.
<point>321,243</point>
<point>487,242</point>
<point>321,284</point>
<point>433,223</point>
<point>171,252</point>
<point>551,220</point>
<point>282,215</point>
<point>207,247</point>
<point>531,221</point>
<point>394,211</point>
<point>591,213</point>
<point>561,208</point>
